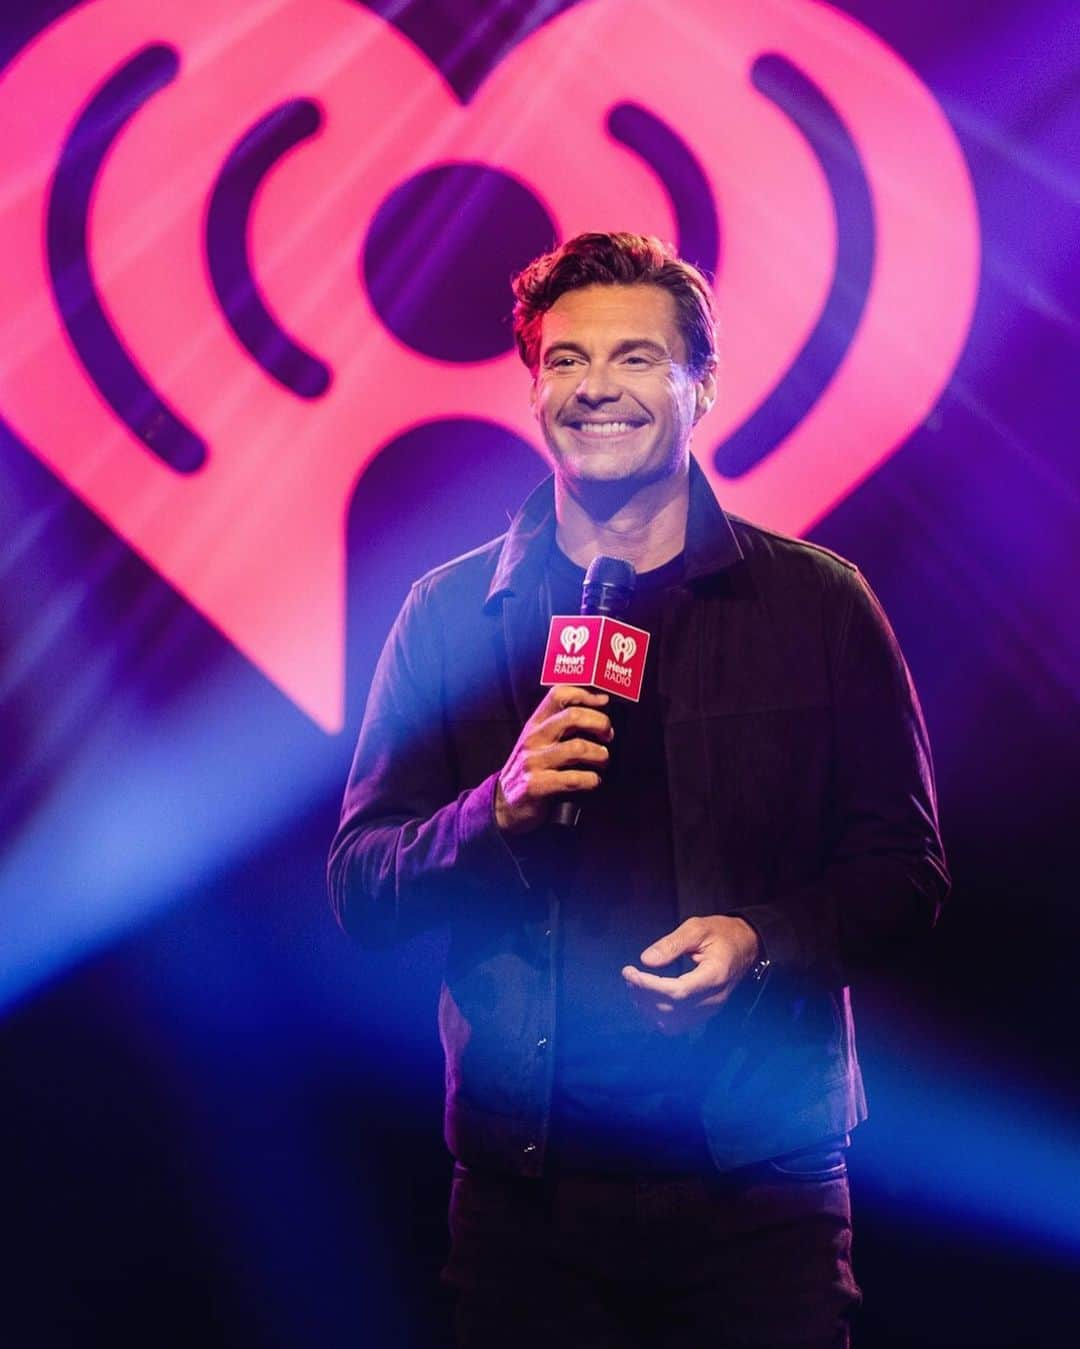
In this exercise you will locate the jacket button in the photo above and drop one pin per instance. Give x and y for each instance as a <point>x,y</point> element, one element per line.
<point>547,932</point>
<point>529,1149</point>
<point>542,1042</point>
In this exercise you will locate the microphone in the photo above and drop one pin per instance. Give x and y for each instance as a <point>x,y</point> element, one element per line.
<point>606,593</point>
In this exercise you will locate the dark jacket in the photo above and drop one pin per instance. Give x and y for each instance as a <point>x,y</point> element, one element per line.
<point>801,794</point>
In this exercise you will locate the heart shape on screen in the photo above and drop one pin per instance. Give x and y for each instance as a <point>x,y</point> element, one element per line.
<point>230,470</point>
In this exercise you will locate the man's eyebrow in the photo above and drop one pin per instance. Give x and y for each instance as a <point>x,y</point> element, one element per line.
<point>628,344</point>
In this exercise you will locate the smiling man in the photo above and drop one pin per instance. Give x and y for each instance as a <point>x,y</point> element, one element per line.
<point>651,1071</point>
<point>615,394</point>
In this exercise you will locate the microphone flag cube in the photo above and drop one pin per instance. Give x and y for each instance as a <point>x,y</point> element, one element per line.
<point>604,653</point>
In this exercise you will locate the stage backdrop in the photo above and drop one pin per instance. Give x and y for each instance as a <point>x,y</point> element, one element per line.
<point>257,375</point>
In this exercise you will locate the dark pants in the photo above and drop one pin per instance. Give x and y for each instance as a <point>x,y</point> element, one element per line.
<point>758,1257</point>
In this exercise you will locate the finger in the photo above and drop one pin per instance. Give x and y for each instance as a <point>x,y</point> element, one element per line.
<point>700,982</point>
<point>648,1004</point>
<point>658,986</point>
<point>694,1009</point>
<point>575,719</point>
<point>717,999</point>
<point>566,753</point>
<point>552,783</point>
<point>653,986</point>
<point>651,1005</point>
<point>667,1017</point>
<point>561,696</point>
<point>685,938</point>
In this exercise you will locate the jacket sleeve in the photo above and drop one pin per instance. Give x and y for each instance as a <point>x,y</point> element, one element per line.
<point>885,877</point>
<point>413,843</point>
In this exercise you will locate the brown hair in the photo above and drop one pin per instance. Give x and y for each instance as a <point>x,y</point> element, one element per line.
<point>615,260</point>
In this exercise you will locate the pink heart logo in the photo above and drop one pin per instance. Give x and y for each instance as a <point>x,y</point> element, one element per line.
<point>251,530</point>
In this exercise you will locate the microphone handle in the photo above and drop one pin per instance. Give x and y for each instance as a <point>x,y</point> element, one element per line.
<point>609,584</point>
<point>567,809</point>
<point>566,814</point>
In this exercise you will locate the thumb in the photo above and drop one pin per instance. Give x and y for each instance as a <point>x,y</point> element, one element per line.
<point>661,952</point>
<point>668,948</point>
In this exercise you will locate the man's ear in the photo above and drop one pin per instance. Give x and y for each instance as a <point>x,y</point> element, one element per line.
<point>705,392</point>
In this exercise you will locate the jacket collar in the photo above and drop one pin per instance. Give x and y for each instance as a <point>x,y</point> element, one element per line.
<point>711,544</point>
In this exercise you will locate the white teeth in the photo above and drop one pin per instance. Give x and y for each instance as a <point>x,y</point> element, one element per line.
<point>605,428</point>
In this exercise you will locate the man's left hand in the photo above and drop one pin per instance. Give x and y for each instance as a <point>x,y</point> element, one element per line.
<point>723,949</point>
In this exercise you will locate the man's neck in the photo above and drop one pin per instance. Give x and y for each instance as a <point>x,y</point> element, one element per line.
<point>646,527</point>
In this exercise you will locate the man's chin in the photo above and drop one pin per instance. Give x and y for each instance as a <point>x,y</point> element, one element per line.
<point>597,471</point>
<point>593,472</point>
<point>596,466</point>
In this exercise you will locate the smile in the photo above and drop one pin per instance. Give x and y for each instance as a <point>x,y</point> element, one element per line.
<point>602,429</point>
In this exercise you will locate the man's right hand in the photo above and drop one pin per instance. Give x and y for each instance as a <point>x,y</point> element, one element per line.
<point>552,758</point>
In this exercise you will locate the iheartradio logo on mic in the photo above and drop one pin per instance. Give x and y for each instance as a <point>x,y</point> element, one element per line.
<point>605,653</point>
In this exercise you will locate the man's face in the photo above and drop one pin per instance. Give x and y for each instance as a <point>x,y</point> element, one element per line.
<point>613,393</point>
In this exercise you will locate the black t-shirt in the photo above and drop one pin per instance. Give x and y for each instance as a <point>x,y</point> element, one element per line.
<point>626,1096</point>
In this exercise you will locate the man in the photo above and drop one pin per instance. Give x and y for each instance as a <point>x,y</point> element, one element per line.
<point>651,1070</point>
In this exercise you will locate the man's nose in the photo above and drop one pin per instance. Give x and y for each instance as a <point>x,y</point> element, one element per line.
<point>598,385</point>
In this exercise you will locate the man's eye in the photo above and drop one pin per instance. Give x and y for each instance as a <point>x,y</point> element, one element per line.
<point>636,361</point>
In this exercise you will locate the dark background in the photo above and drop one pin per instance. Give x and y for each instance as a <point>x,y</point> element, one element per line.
<point>221,1124</point>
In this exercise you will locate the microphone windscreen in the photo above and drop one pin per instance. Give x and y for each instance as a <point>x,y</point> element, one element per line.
<point>609,586</point>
